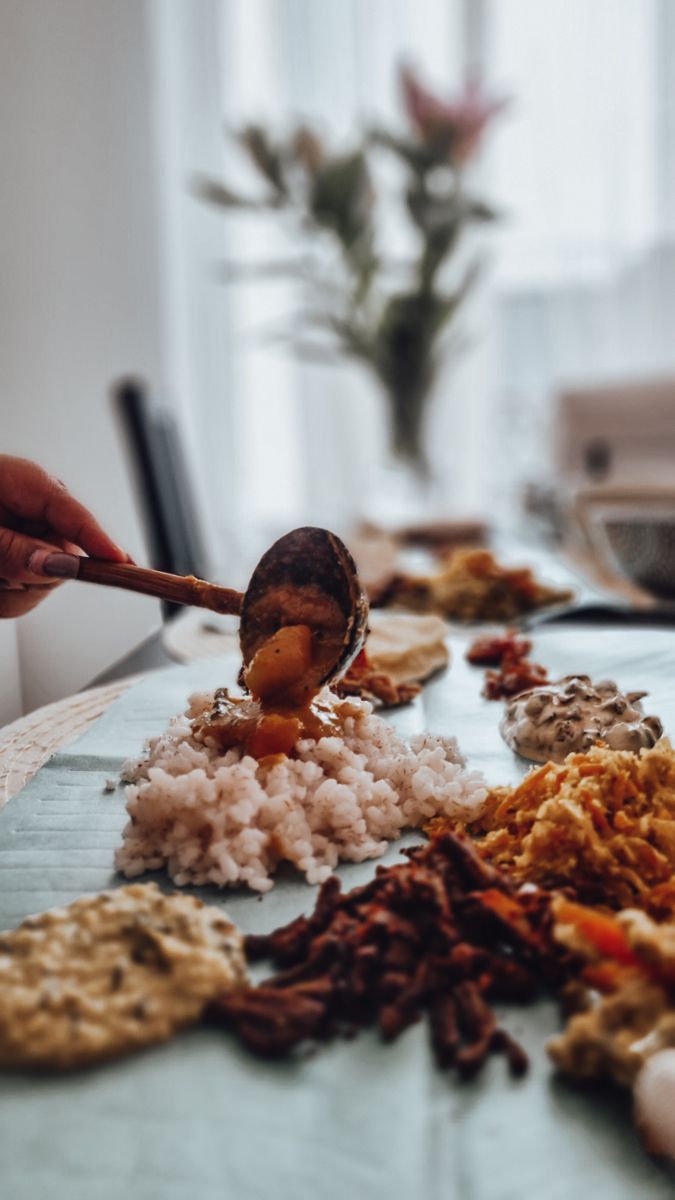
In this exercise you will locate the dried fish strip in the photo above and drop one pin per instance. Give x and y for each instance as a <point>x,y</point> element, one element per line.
<point>443,934</point>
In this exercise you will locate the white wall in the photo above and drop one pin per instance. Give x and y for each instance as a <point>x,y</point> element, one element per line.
<point>79,289</point>
<point>10,682</point>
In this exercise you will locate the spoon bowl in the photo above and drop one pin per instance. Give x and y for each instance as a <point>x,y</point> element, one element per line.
<point>307,577</point>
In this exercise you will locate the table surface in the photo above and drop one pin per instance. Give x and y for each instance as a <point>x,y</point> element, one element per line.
<point>148,655</point>
<point>199,1116</point>
<point>26,744</point>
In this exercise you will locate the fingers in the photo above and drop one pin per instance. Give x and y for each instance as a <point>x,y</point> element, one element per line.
<point>27,560</point>
<point>18,601</point>
<point>73,521</point>
<point>43,532</point>
<point>30,494</point>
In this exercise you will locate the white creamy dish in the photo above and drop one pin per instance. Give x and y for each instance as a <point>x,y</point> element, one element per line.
<point>548,723</point>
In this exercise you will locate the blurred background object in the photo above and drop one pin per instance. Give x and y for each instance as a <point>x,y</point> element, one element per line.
<point>110,110</point>
<point>642,545</point>
<point>393,314</point>
<point>622,433</point>
<point>81,288</point>
<point>162,483</point>
<point>629,531</point>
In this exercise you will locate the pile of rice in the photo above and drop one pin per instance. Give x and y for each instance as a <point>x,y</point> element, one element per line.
<point>223,818</point>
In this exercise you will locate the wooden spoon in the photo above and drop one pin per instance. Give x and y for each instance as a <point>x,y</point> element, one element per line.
<point>179,589</point>
<point>308,577</point>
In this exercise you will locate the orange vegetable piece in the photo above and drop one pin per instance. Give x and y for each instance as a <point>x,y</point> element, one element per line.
<point>274,734</point>
<point>281,664</point>
<point>602,932</point>
<point>511,912</point>
<point>607,976</point>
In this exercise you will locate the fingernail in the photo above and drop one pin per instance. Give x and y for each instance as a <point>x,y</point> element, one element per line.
<point>56,566</point>
<point>6,585</point>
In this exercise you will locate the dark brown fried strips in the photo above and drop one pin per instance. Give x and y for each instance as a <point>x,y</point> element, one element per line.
<point>444,934</point>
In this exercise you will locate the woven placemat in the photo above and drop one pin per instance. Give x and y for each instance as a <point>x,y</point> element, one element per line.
<point>26,744</point>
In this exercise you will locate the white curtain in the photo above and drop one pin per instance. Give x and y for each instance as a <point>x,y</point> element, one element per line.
<point>576,163</point>
<point>308,437</point>
<point>585,278</point>
<point>279,441</point>
<point>582,167</point>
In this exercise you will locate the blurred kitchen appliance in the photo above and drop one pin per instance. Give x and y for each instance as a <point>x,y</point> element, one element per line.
<point>632,532</point>
<point>620,434</point>
<point>614,479</point>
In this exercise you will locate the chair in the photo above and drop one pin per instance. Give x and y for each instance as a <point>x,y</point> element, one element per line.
<point>162,484</point>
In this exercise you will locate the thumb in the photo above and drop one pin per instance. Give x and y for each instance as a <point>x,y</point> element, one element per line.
<point>31,561</point>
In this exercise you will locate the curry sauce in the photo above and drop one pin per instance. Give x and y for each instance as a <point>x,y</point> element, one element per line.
<point>283,706</point>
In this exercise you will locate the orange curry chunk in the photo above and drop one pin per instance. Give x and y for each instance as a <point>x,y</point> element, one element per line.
<point>274,734</point>
<point>280,666</point>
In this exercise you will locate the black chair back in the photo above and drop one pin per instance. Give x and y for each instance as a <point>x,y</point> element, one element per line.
<point>161,478</point>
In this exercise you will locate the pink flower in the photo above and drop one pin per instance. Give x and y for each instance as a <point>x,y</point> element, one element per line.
<point>453,127</point>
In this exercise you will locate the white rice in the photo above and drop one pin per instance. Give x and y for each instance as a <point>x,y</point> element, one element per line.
<point>222,818</point>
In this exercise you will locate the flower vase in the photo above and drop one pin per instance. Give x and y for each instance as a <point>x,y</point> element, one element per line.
<point>404,492</point>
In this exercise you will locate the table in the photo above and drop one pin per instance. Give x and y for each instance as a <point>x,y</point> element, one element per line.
<point>198,1116</point>
<point>26,744</point>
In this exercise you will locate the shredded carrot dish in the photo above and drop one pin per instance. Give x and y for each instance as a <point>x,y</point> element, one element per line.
<point>601,824</point>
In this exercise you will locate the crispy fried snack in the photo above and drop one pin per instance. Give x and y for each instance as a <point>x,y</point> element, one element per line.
<point>110,974</point>
<point>363,679</point>
<point>601,824</point>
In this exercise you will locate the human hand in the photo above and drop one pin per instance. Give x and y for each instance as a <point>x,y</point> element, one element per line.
<point>43,531</point>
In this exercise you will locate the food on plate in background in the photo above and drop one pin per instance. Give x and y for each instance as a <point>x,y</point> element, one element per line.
<point>546,723</point>
<point>506,652</point>
<point>110,974</point>
<point>402,650</point>
<point>601,824</point>
<point>444,534</point>
<point>490,650</point>
<point>442,934</point>
<point>472,586</point>
<point>377,552</point>
<point>410,648</point>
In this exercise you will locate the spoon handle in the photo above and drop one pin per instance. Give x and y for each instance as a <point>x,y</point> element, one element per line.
<point>179,589</point>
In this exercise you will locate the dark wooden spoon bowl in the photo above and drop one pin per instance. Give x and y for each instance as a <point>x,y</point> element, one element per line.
<point>308,577</point>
